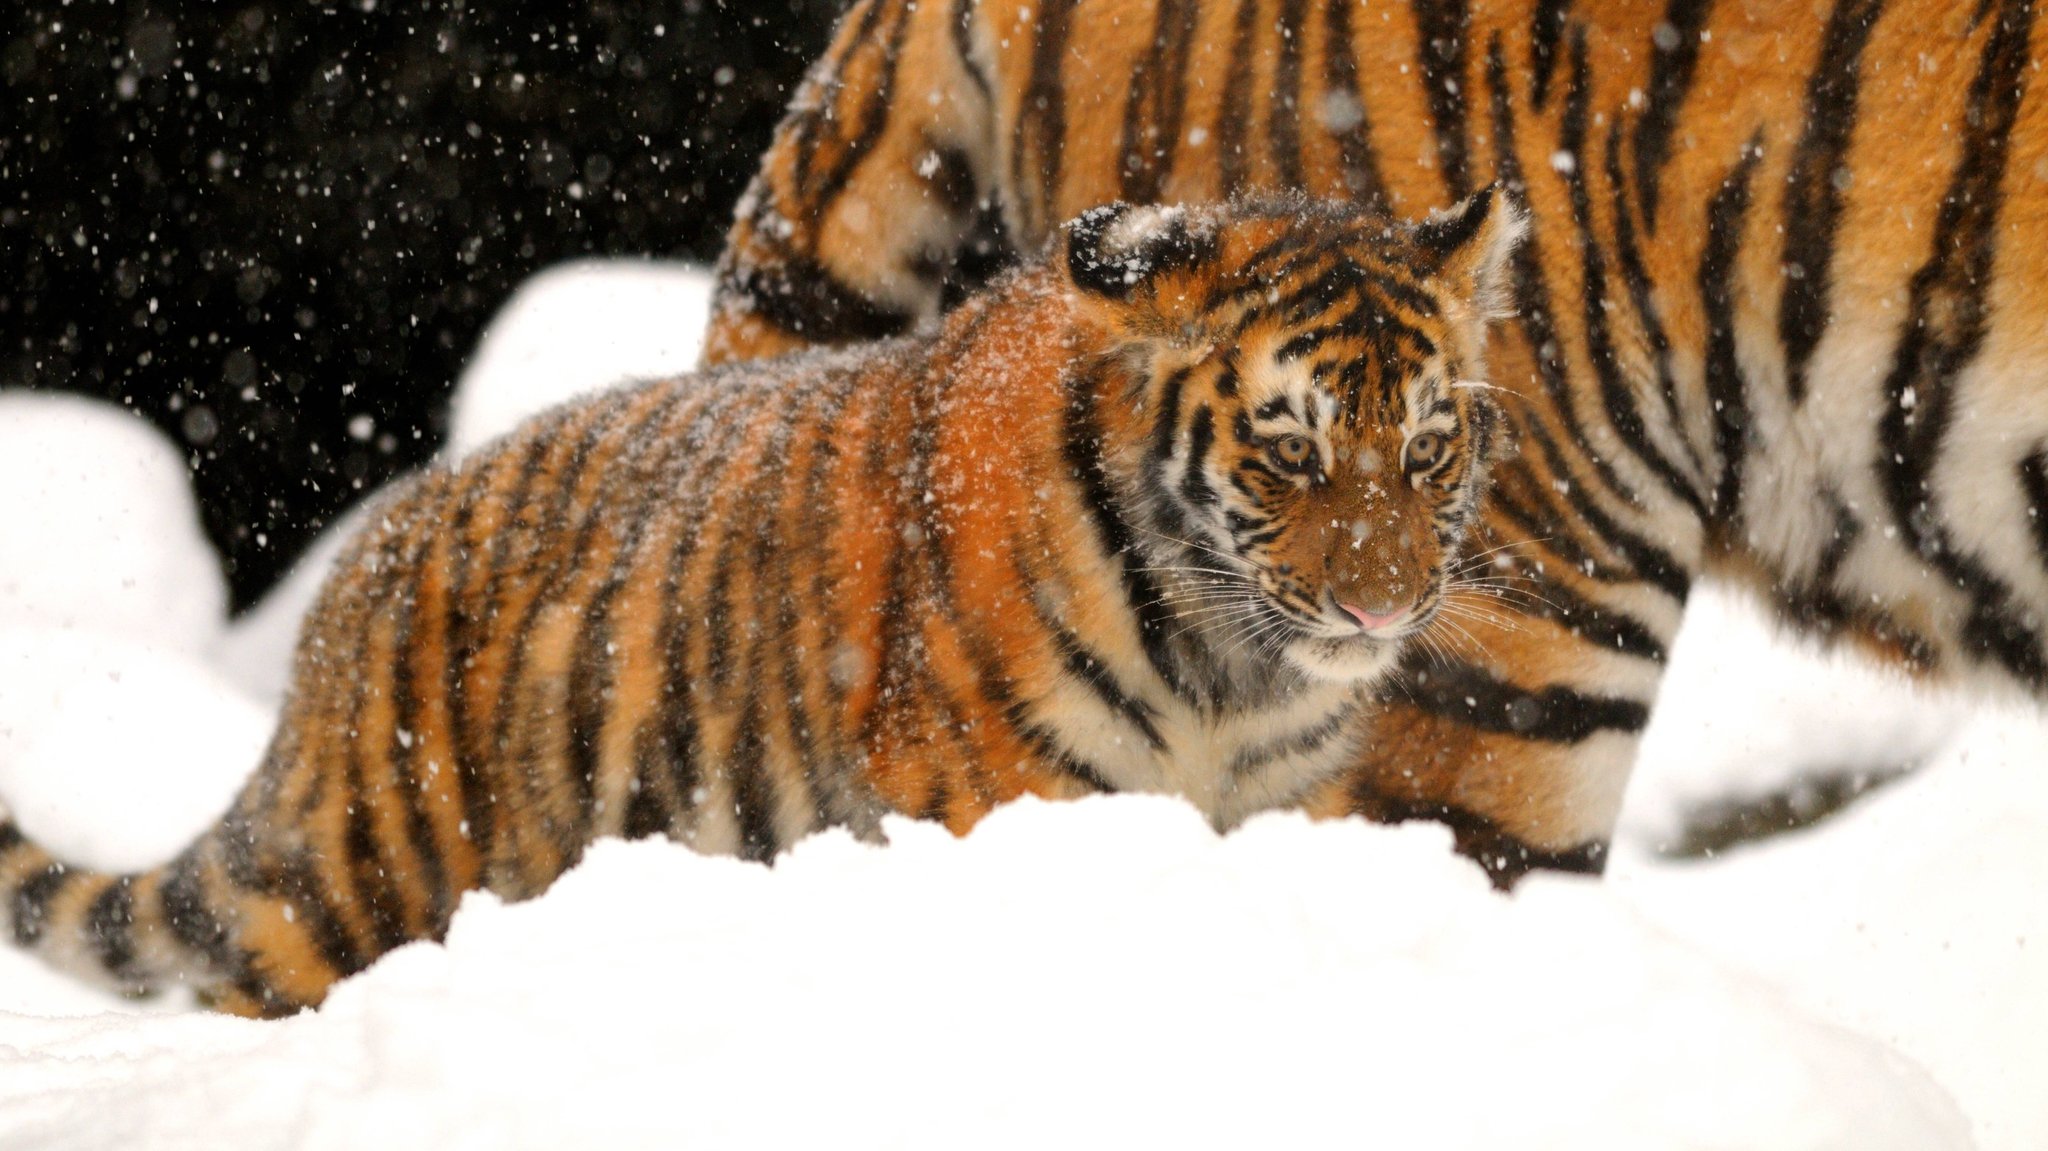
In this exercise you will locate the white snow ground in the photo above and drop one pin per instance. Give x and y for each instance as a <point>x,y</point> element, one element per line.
<point>1093,973</point>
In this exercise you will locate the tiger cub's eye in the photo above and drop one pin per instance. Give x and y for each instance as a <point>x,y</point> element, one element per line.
<point>1295,453</point>
<point>1425,450</point>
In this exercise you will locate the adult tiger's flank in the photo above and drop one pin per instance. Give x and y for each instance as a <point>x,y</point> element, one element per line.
<point>1147,516</point>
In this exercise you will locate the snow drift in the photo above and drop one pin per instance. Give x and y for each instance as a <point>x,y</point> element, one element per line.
<point>1095,972</point>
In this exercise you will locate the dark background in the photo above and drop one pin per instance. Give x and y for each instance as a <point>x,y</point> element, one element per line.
<point>257,223</point>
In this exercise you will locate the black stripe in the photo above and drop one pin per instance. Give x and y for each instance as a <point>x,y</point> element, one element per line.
<point>817,190</point>
<point>1944,331</point>
<point>2033,480</point>
<point>952,180</point>
<point>720,668</point>
<point>1158,97</point>
<point>963,46</point>
<point>1047,745</point>
<point>818,552</point>
<point>481,754</point>
<point>1357,164</point>
<point>1642,293</point>
<point>999,689</point>
<point>1816,607</point>
<point>465,638</point>
<point>675,746</point>
<point>1674,59</point>
<point>992,680</point>
<point>191,919</point>
<point>10,836</point>
<point>1041,132</point>
<point>1194,480</point>
<point>456,628</point>
<point>1547,20</point>
<point>1284,105</point>
<point>111,925</point>
<point>1534,313</point>
<point>251,984</point>
<point>1441,49</point>
<point>645,816</point>
<point>1085,666</point>
<point>772,656</point>
<point>1646,559</point>
<point>1082,446</point>
<point>1813,188</point>
<point>299,882</point>
<point>1608,628</point>
<point>634,497</point>
<point>1727,217</point>
<point>31,906</point>
<point>1616,397</point>
<point>553,570</point>
<point>1236,104</point>
<point>1166,423</point>
<point>1241,428</point>
<point>1538,519</point>
<point>798,295</point>
<point>374,885</point>
<point>938,797</point>
<point>1250,759</point>
<point>1474,698</point>
<point>405,707</point>
<point>804,594</point>
<point>753,793</point>
<point>1506,858</point>
<point>809,127</point>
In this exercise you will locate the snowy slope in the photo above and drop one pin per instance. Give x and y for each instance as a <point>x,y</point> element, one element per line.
<point>1098,972</point>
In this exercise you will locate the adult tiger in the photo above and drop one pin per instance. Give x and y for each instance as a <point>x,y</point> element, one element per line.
<point>1146,517</point>
<point>1780,313</point>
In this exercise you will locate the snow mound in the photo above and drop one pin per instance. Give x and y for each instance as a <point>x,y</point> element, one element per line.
<point>1916,916</point>
<point>116,754</point>
<point>1108,968</point>
<point>574,329</point>
<point>99,530</point>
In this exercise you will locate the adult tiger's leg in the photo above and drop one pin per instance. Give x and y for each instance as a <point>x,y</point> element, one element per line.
<point>1516,716</point>
<point>865,199</point>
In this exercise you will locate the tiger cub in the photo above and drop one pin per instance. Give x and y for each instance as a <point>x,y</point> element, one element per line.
<point>1778,318</point>
<point>1147,516</point>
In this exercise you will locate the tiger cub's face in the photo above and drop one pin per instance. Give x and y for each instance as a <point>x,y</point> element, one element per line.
<point>1318,435</point>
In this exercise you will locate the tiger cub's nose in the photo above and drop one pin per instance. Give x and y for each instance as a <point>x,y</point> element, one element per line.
<point>1375,620</point>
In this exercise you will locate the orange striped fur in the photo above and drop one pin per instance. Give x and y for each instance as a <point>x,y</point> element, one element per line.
<point>1779,314</point>
<point>1147,516</point>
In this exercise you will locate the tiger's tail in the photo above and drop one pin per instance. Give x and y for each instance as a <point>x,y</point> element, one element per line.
<point>135,933</point>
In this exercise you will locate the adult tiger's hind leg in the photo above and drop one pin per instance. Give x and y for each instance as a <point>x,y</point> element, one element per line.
<point>865,200</point>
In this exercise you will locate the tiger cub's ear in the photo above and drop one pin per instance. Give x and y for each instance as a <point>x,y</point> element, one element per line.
<point>1471,246</point>
<point>1135,259</point>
